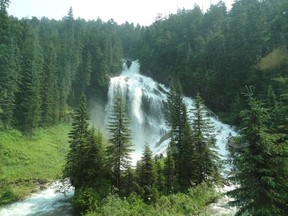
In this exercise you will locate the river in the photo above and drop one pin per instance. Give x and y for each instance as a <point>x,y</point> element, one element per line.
<point>51,201</point>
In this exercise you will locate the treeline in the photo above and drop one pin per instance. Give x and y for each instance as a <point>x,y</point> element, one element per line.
<point>97,169</point>
<point>219,52</point>
<point>216,53</point>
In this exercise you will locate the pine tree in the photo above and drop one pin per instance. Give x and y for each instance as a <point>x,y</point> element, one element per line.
<point>147,178</point>
<point>9,73</point>
<point>178,120</point>
<point>207,162</point>
<point>93,162</point>
<point>4,4</point>
<point>170,171</point>
<point>28,113</point>
<point>160,173</point>
<point>187,161</point>
<point>260,165</point>
<point>75,162</point>
<point>50,95</point>
<point>118,152</point>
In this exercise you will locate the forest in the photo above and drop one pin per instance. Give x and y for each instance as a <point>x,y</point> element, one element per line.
<point>235,61</point>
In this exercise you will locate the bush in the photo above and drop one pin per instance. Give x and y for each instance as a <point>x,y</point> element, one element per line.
<point>192,203</point>
<point>7,196</point>
<point>85,199</point>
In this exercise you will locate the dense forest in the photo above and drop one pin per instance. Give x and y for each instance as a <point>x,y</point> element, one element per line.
<point>236,60</point>
<point>217,53</point>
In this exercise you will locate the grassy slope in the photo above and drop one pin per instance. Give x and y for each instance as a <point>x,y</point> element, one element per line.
<point>24,162</point>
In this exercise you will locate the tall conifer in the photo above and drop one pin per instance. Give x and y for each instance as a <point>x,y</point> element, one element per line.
<point>75,161</point>
<point>207,162</point>
<point>260,165</point>
<point>118,152</point>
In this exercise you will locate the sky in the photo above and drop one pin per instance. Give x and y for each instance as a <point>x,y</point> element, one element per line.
<point>141,12</point>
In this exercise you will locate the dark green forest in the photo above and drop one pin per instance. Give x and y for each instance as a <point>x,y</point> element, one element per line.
<point>236,60</point>
<point>46,64</point>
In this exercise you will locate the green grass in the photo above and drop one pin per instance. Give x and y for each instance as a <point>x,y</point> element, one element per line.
<point>24,163</point>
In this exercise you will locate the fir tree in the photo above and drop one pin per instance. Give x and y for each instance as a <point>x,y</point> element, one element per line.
<point>207,162</point>
<point>118,152</point>
<point>170,172</point>
<point>9,73</point>
<point>147,173</point>
<point>178,120</point>
<point>260,165</point>
<point>50,95</point>
<point>28,112</point>
<point>160,173</point>
<point>75,167</point>
<point>187,160</point>
<point>93,162</point>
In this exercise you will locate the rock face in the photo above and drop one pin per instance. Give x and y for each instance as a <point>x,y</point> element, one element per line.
<point>128,63</point>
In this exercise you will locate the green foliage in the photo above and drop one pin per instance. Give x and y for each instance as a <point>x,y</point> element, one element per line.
<point>207,165</point>
<point>192,203</point>
<point>85,199</point>
<point>192,156</point>
<point>85,159</point>
<point>260,161</point>
<point>118,152</point>
<point>147,175</point>
<point>7,196</point>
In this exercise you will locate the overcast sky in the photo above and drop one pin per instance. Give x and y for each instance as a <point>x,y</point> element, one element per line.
<point>143,12</point>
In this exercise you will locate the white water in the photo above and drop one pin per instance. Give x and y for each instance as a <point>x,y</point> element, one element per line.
<point>46,202</point>
<point>146,99</point>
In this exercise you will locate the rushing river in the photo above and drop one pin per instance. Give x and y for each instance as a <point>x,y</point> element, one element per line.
<point>50,202</point>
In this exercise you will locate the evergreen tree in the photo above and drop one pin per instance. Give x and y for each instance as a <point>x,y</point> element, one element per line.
<point>170,171</point>
<point>49,88</point>
<point>9,73</point>
<point>207,161</point>
<point>160,173</point>
<point>187,161</point>
<point>75,167</point>
<point>147,176</point>
<point>93,162</point>
<point>260,165</point>
<point>28,112</point>
<point>4,4</point>
<point>118,152</point>
<point>178,120</point>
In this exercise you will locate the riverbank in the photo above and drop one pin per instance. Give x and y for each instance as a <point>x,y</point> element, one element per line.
<point>28,165</point>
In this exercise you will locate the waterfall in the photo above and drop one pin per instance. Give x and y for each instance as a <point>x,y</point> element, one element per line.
<point>145,99</point>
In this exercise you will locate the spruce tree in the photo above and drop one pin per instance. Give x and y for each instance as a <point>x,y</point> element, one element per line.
<point>170,171</point>
<point>187,160</point>
<point>75,167</point>
<point>207,163</point>
<point>118,152</point>
<point>49,88</point>
<point>259,165</point>
<point>93,162</point>
<point>9,73</point>
<point>28,101</point>
<point>147,178</point>
<point>177,120</point>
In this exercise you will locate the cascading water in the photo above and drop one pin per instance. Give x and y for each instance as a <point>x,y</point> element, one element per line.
<point>50,202</point>
<point>145,99</point>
